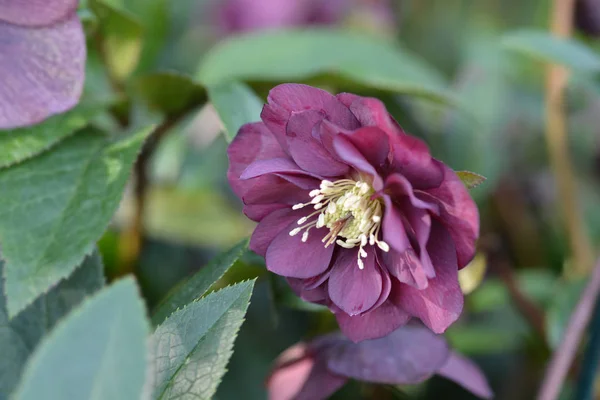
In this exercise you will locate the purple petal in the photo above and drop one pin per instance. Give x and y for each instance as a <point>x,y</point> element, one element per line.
<point>420,222</point>
<point>409,355</point>
<point>352,289</point>
<point>393,227</point>
<point>459,214</point>
<point>291,257</point>
<point>299,376</point>
<point>274,166</point>
<point>398,186</point>
<point>266,231</point>
<point>467,374</point>
<point>440,304</point>
<point>256,212</point>
<point>371,112</point>
<point>413,160</point>
<point>307,152</point>
<point>253,142</point>
<point>347,152</point>
<point>386,285</point>
<point>376,323</point>
<point>42,70</point>
<point>406,267</point>
<point>35,12</point>
<point>317,294</point>
<point>373,143</point>
<point>270,189</point>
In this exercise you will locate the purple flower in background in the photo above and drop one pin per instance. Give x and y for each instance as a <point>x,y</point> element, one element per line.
<point>251,15</point>
<point>587,16</point>
<point>409,355</point>
<point>42,60</point>
<point>353,211</point>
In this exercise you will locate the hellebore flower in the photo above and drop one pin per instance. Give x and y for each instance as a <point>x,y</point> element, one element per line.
<point>353,211</point>
<point>410,355</point>
<point>42,60</point>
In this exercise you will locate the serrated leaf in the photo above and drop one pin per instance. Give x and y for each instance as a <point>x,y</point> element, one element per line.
<point>294,55</point>
<point>121,35</point>
<point>97,352</point>
<point>546,47</point>
<point>193,346</point>
<point>21,335</point>
<point>470,179</point>
<point>236,105</point>
<point>20,144</point>
<point>170,92</point>
<point>197,285</point>
<point>55,206</point>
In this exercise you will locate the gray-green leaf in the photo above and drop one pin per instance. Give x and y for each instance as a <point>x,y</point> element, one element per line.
<point>542,45</point>
<point>236,104</point>
<point>20,336</point>
<point>97,352</point>
<point>55,206</point>
<point>294,55</point>
<point>20,144</point>
<point>197,285</point>
<point>170,92</point>
<point>193,346</point>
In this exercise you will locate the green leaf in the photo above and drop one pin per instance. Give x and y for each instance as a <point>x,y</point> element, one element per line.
<point>97,352</point>
<point>236,104</point>
<point>20,336</point>
<point>121,38</point>
<point>563,303</point>
<point>20,144</point>
<point>197,285</point>
<point>470,179</point>
<point>55,206</point>
<point>294,55</point>
<point>193,346</point>
<point>170,92</point>
<point>543,46</point>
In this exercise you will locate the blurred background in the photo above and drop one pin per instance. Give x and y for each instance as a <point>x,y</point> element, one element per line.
<point>520,291</point>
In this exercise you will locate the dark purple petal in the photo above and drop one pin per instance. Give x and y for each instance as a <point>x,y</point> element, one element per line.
<point>386,285</point>
<point>316,294</point>
<point>371,112</point>
<point>352,289</point>
<point>467,374</point>
<point>253,142</point>
<point>440,304</point>
<point>299,376</point>
<point>42,71</point>
<point>420,221</point>
<point>458,212</point>
<point>270,189</point>
<point>413,160</point>
<point>347,152</point>
<point>394,233</point>
<point>373,143</point>
<point>289,256</point>
<point>376,323</point>
<point>409,355</point>
<point>307,152</point>
<point>257,212</point>
<point>283,166</point>
<point>406,267</point>
<point>36,12</point>
<point>266,231</point>
<point>398,186</point>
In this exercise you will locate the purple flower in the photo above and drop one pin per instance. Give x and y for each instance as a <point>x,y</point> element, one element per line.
<point>354,212</point>
<point>587,16</point>
<point>409,355</point>
<point>42,60</point>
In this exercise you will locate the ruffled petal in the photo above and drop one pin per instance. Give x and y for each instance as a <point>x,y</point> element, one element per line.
<point>420,221</point>
<point>308,152</point>
<point>256,212</point>
<point>373,144</point>
<point>467,374</point>
<point>352,289</point>
<point>393,229</point>
<point>441,303</point>
<point>371,112</point>
<point>283,166</point>
<point>458,212</point>
<point>36,13</point>
<point>398,186</point>
<point>376,323</point>
<point>253,142</point>
<point>413,160</point>
<point>42,71</point>
<point>266,231</point>
<point>291,257</point>
<point>347,152</point>
<point>406,267</point>
<point>409,355</point>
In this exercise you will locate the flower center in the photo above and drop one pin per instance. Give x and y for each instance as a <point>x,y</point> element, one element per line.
<point>347,208</point>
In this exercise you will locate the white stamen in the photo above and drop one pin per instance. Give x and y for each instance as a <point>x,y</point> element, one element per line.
<point>317,199</point>
<point>321,220</point>
<point>383,246</point>
<point>363,240</point>
<point>318,206</point>
<point>376,218</point>
<point>298,206</point>
<point>361,265</point>
<point>295,231</point>
<point>305,236</point>
<point>302,220</point>
<point>363,253</point>
<point>314,193</point>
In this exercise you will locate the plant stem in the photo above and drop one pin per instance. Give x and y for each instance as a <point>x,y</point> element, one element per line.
<point>556,138</point>
<point>565,353</point>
